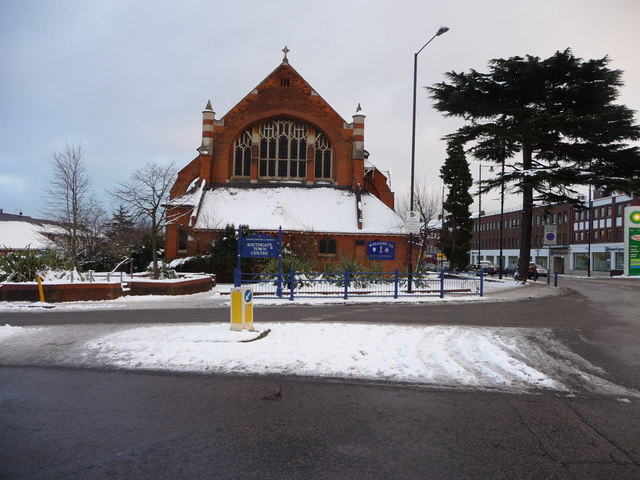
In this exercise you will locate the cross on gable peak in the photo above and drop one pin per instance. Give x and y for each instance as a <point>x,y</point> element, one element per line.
<point>285,50</point>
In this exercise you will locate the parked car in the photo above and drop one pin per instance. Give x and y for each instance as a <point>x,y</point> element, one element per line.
<point>430,267</point>
<point>510,270</point>
<point>537,269</point>
<point>472,267</point>
<point>488,267</point>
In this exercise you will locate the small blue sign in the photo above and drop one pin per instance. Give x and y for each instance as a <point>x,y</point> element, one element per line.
<point>379,250</point>
<point>259,246</point>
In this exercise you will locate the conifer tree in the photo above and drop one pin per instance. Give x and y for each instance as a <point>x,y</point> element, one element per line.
<point>146,193</point>
<point>455,236</point>
<point>558,115</point>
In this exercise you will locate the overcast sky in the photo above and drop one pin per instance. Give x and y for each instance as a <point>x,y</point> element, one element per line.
<point>128,79</point>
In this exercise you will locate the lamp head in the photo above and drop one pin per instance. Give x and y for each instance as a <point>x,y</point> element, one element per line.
<point>442,30</point>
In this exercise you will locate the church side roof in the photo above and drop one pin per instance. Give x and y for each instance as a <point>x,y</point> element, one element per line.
<point>321,210</point>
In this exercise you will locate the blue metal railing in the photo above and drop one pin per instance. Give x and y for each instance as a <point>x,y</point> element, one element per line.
<point>347,284</point>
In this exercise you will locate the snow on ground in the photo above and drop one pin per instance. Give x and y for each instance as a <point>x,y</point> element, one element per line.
<point>435,355</point>
<point>503,359</point>
<point>515,360</point>
<point>8,331</point>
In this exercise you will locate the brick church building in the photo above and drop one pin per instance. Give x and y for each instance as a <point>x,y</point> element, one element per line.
<point>283,157</point>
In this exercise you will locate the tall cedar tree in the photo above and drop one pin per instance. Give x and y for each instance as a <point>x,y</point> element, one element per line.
<point>455,236</point>
<point>558,115</point>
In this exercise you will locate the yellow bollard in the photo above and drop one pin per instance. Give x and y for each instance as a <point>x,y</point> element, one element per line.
<point>40,289</point>
<point>237,320</point>
<point>241,308</point>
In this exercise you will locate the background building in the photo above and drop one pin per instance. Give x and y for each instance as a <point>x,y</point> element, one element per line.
<point>20,232</point>
<point>579,236</point>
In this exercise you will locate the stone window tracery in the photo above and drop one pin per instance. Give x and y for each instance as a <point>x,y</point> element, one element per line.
<point>323,157</point>
<point>242,162</point>
<point>284,146</point>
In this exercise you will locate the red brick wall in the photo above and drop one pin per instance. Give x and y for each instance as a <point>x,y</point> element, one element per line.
<point>59,292</point>
<point>82,291</point>
<point>345,246</point>
<point>179,287</point>
<point>187,175</point>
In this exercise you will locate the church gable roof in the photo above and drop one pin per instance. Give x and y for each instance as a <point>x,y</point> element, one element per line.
<point>284,90</point>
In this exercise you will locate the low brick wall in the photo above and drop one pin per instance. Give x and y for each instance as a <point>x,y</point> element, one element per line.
<point>169,287</point>
<point>73,292</point>
<point>59,292</point>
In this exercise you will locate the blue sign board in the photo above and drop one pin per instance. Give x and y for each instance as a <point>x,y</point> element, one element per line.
<point>381,250</point>
<point>259,246</point>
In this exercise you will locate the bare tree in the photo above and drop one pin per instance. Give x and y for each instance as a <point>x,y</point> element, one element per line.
<point>69,201</point>
<point>146,193</point>
<point>428,204</point>
<point>92,237</point>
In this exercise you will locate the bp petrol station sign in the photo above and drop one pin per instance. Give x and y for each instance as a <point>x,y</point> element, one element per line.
<point>632,240</point>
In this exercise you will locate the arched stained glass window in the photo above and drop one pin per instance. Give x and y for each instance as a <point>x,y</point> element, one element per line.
<point>242,161</point>
<point>323,157</point>
<point>285,145</point>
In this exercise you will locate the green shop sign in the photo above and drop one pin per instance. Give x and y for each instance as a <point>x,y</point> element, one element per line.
<point>634,244</point>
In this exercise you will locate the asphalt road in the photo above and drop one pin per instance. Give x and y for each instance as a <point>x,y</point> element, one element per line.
<point>68,423</point>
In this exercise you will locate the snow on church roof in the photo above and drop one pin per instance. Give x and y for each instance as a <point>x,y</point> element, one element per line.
<point>322,210</point>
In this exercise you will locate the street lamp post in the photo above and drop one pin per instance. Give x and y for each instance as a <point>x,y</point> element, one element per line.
<point>440,31</point>
<point>589,233</point>
<point>480,167</point>
<point>500,259</point>
<point>441,230</point>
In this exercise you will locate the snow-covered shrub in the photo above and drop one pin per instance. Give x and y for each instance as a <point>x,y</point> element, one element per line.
<point>197,263</point>
<point>26,265</point>
<point>166,272</point>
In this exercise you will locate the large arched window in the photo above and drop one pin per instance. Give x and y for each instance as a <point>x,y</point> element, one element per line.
<point>284,146</point>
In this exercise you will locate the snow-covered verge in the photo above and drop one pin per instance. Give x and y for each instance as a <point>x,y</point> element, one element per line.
<point>434,355</point>
<point>515,360</point>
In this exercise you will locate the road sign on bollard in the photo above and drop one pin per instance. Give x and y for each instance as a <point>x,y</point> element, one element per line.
<point>241,308</point>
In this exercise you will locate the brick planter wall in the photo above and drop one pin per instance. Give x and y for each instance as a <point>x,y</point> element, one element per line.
<point>73,292</point>
<point>177,287</point>
<point>59,292</point>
